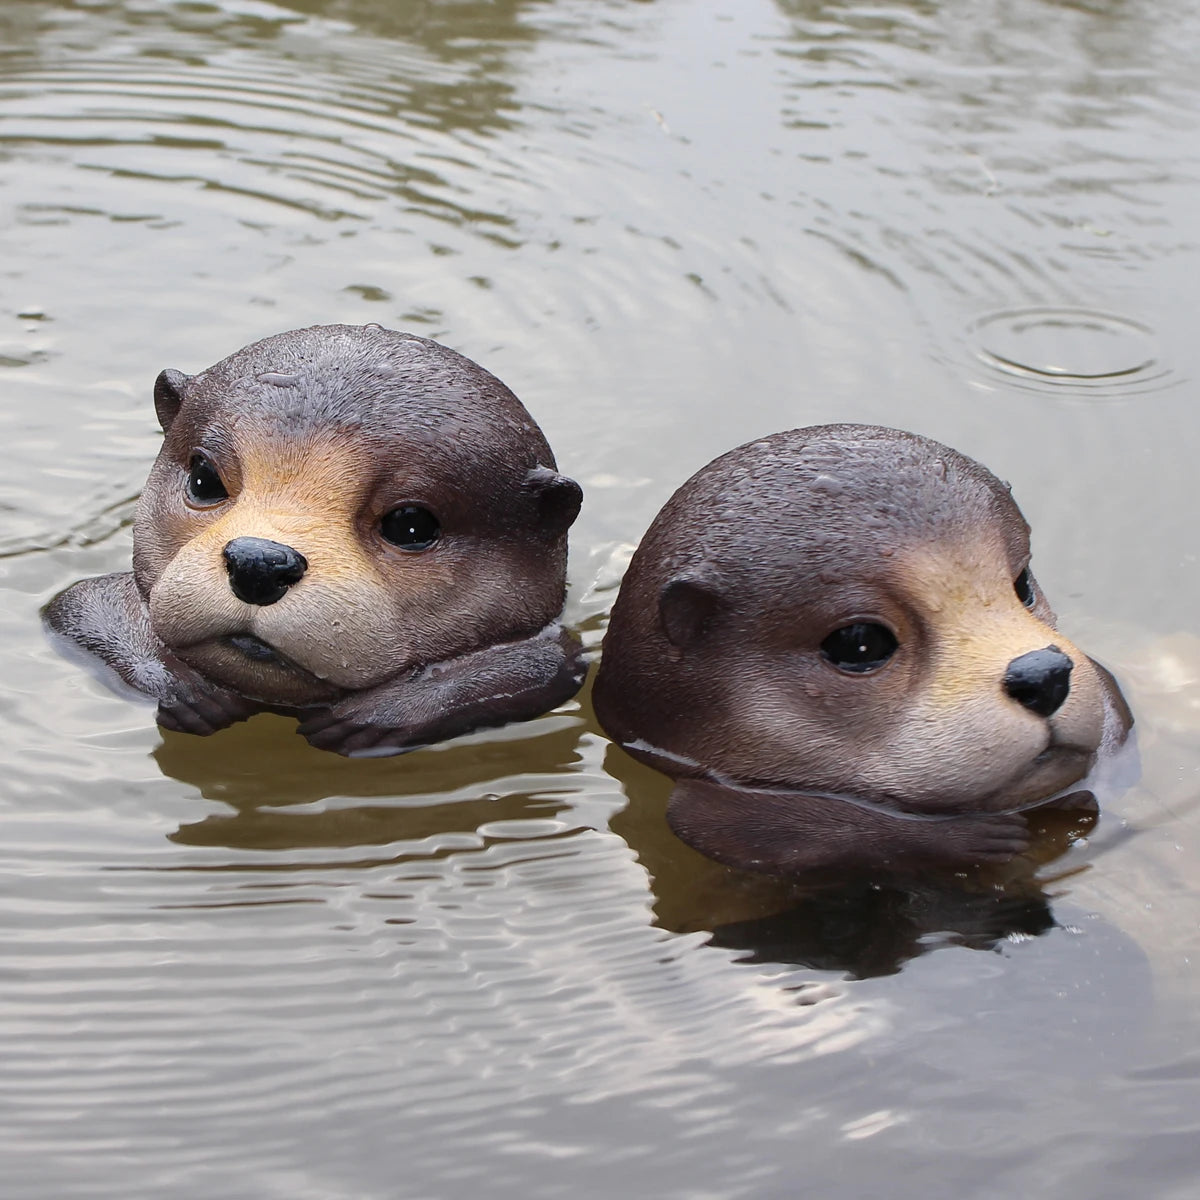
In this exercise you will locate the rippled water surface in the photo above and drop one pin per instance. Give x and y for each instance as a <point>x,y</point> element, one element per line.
<point>241,967</point>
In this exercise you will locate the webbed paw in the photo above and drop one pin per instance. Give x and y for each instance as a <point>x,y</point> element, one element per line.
<point>189,703</point>
<point>512,681</point>
<point>354,727</point>
<point>982,838</point>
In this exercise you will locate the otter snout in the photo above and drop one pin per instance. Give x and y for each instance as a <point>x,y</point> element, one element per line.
<point>1040,680</point>
<point>261,571</point>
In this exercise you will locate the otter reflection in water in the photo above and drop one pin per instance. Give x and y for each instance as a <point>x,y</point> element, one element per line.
<point>832,640</point>
<point>866,921</point>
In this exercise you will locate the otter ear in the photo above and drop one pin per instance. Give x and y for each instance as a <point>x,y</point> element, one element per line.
<point>558,498</point>
<point>168,396</point>
<point>687,606</point>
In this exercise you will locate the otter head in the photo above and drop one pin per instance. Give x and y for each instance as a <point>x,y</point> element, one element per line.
<point>334,506</point>
<point>850,609</point>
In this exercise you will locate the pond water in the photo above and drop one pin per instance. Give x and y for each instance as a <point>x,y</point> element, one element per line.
<point>242,967</point>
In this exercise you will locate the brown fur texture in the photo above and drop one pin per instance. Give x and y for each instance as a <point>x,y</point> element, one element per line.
<point>713,668</point>
<point>317,435</point>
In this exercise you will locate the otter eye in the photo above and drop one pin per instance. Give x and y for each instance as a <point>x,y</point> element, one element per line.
<point>861,647</point>
<point>204,485</point>
<point>1023,586</point>
<point>410,527</point>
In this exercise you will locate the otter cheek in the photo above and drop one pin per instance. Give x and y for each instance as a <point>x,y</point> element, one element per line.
<point>342,630</point>
<point>191,602</point>
<point>818,731</point>
<point>960,756</point>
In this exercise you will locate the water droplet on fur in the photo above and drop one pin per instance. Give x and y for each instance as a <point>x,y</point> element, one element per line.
<point>830,485</point>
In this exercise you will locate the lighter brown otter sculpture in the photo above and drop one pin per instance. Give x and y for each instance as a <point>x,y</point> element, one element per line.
<point>353,526</point>
<point>832,638</point>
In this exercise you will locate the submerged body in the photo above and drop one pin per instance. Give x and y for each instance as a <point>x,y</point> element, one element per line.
<point>832,638</point>
<point>354,526</point>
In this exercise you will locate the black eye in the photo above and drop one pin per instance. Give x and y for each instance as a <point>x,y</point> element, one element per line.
<point>411,527</point>
<point>861,647</point>
<point>204,485</point>
<point>1023,586</point>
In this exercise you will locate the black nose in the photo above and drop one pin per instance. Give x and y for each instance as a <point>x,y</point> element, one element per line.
<point>260,572</point>
<point>1040,680</point>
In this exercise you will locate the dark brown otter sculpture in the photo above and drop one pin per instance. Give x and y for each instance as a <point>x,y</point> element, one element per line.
<point>832,638</point>
<point>353,526</point>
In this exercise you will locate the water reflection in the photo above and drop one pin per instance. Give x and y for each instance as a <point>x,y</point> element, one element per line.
<point>515,785</point>
<point>829,196</point>
<point>286,795</point>
<point>872,929</point>
<point>1029,172</point>
<point>457,30</point>
<point>863,924</point>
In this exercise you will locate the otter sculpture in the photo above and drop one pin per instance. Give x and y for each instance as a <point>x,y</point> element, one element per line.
<point>832,639</point>
<point>349,525</point>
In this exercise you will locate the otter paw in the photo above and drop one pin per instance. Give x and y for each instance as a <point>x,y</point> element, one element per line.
<point>355,736</point>
<point>201,708</point>
<point>989,838</point>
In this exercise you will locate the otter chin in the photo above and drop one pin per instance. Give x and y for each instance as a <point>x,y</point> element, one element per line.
<point>257,670</point>
<point>832,638</point>
<point>350,525</point>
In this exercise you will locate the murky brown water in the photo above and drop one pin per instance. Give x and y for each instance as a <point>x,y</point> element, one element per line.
<point>241,967</point>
